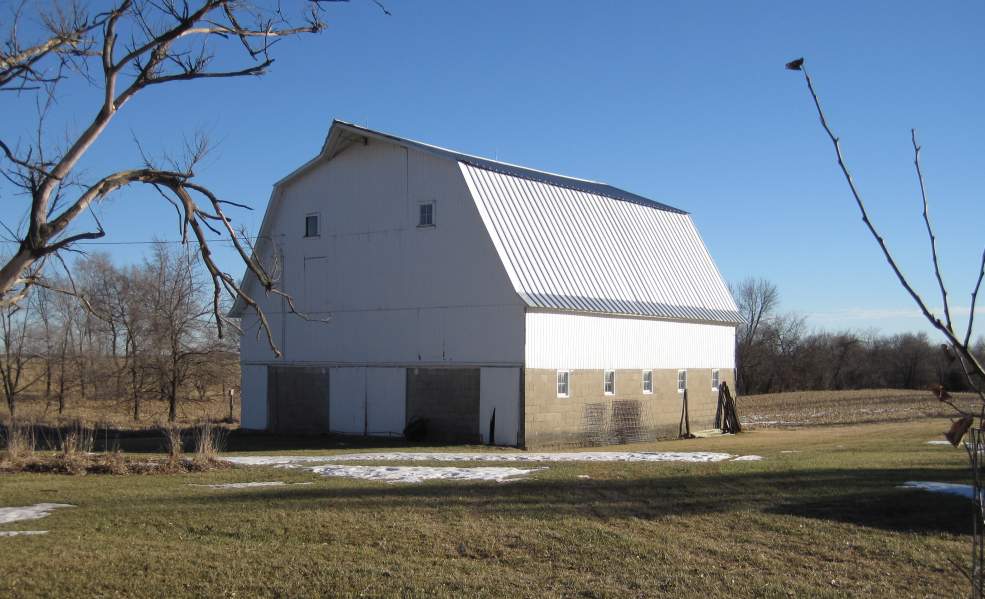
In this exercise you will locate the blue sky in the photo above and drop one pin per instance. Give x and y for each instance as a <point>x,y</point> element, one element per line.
<point>684,102</point>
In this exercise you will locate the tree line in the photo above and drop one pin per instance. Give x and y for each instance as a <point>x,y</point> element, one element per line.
<point>776,352</point>
<point>105,332</point>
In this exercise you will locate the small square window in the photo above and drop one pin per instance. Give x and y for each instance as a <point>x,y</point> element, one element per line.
<point>562,383</point>
<point>425,216</point>
<point>647,381</point>
<point>609,382</point>
<point>681,381</point>
<point>715,380</point>
<point>311,225</point>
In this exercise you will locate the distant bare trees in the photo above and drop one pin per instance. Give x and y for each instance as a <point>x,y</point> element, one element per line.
<point>111,52</point>
<point>142,331</point>
<point>775,352</point>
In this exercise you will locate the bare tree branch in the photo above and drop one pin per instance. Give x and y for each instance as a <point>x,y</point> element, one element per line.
<point>973,368</point>
<point>930,229</point>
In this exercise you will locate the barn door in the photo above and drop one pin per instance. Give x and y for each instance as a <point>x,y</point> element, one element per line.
<point>297,400</point>
<point>449,399</point>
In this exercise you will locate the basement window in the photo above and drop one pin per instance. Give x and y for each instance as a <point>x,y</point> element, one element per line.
<point>681,381</point>
<point>425,214</point>
<point>563,377</point>
<point>609,382</point>
<point>311,225</point>
<point>715,380</point>
<point>647,381</point>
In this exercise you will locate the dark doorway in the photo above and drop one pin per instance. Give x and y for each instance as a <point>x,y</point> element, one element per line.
<point>297,400</point>
<point>449,399</point>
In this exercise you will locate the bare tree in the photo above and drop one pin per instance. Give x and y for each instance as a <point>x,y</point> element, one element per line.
<point>129,48</point>
<point>16,356</point>
<point>757,300</point>
<point>178,322</point>
<point>958,345</point>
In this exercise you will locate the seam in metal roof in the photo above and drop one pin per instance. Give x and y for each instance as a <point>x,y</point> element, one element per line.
<point>567,248</point>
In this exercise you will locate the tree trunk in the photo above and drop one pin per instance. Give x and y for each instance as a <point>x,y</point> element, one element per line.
<point>12,270</point>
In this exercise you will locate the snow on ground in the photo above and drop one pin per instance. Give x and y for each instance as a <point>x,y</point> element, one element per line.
<point>28,512</point>
<point>748,458</point>
<point>22,533</point>
<point>573,456</point>
<point>266,483</point>
<point>417,474</point>
<point>938,442</point>
<point>946,488</point>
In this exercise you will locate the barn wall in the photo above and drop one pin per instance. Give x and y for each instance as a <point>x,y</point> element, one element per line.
<point>253,394</point>
<point>499,390</point>
<point>378,290</point>
<point>565,340</point>
<point>392,292</point>
<point>589,417</point>
<point>587,345</point>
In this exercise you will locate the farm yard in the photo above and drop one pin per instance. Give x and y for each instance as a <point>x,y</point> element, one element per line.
<point>821,514</point>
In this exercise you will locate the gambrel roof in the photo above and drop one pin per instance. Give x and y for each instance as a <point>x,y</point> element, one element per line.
<point>578,245</point>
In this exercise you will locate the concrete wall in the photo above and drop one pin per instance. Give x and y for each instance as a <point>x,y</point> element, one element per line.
<point>590,417</point>
<point>449,399</point>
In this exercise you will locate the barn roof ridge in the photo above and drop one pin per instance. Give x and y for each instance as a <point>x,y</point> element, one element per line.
<point>507,168</point>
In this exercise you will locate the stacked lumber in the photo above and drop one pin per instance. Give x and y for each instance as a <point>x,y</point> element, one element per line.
<point>727,416</point>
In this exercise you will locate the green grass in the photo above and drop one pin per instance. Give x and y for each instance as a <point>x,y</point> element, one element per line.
<point>827,521</point>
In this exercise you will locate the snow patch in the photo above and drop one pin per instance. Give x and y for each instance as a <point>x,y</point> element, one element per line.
<point>268,483</point>
<point>938,442</point>
<point>748,458</point>
<point>29,512</point>
<point>945,488</point>
<point>22,533</point>
<point>407,456</point>
<point>417,474</point>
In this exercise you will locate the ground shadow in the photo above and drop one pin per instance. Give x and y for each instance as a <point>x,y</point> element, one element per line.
<point>867,497</point>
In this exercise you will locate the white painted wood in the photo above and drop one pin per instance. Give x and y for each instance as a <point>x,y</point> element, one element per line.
<point>566,340</point>
<point>499,389</point>
<point>386,396</point>
<point>395,292</point>
<point>253,397</point>
<point>347,401</point>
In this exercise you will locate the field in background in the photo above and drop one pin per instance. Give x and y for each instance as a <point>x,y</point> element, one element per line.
<point>815,408</point>
<point>821,516</point>
<point>107,413</point>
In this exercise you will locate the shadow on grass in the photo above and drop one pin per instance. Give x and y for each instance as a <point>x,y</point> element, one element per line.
<point>864,497</point>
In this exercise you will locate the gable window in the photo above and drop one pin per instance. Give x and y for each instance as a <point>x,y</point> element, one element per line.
<point>715,380</point>
<point>647,381</point>
<point>311,225</point>
<point>425,214</point>
<point>562,383</point>
<point>681,381</point>
<point>609,382</point>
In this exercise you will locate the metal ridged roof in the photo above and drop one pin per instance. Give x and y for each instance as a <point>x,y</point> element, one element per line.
<point>575,247</point>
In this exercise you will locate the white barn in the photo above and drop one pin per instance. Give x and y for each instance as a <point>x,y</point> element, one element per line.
<point>500,303</point>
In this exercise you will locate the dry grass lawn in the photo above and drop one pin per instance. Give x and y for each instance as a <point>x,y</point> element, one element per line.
<point>820,516</point>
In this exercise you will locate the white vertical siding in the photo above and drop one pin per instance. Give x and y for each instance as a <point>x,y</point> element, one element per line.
<point>347,400</point>
<point>568,340</point>
<point>386,401</point>
<point>499,390</point>
<point>395,293</point>
<point>253,397</point>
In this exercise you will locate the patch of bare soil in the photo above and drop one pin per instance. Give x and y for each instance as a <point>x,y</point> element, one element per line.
<point>819,408</point>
